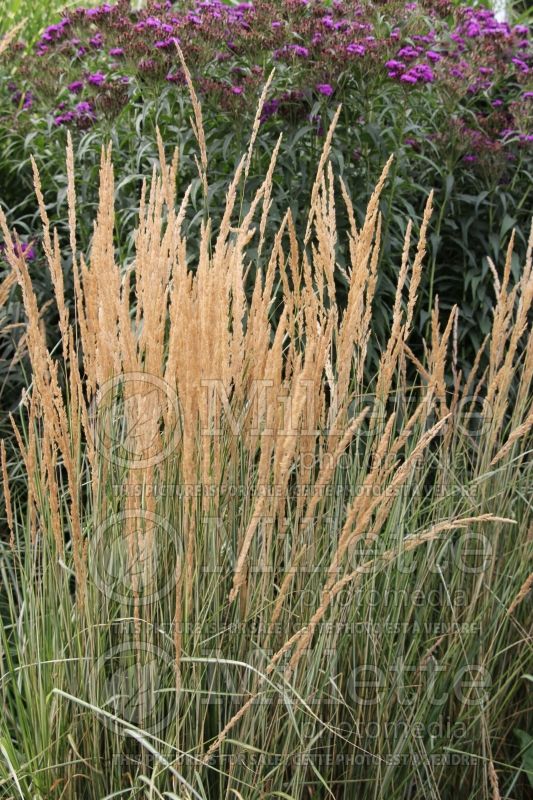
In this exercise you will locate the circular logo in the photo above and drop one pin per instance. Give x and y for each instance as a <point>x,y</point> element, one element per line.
<point>136,683</point>
<point>135,554</point>
<point>135,420</point>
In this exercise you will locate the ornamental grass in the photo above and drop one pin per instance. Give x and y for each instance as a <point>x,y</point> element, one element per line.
<point>234,565</point>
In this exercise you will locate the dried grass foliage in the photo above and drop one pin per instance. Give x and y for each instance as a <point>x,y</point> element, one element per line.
<point>197,331</point>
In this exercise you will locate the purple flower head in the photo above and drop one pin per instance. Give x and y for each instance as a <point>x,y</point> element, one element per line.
<point>98,11</point>
<point>269,109</point>
<point>96,79</point>
<point>395,68</point>
<point>55,32</point>
<point>522,66</point>
<point>28,251</point>
<point>420,72</point>
<point>473,30</point>
<point>527,96</point>
<point>84,114</point>
<point>97,41</point>
<point>24,249</point>
<point>497,103</point>
<point>409,52</point>
<point>84,108</point>
<point>237,89</point>
<point>470,158</point>
<point>116,51</point>
<point>75,87</point>
<point>433,56</point>
<point>393,64</point>
<point>61,119</point>
<point>295,49</point>
<point>325,89</point>
<point>356,49</point>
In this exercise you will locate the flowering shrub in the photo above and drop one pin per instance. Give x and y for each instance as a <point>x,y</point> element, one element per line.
<point>443,87</point>
<point>329,48</point>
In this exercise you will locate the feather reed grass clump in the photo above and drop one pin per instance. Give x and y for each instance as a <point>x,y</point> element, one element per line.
<point>238,567</point>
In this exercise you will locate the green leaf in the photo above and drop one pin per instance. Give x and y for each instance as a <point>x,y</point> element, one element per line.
<point>526,755</point>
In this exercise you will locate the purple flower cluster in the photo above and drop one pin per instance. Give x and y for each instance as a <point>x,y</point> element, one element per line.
<point>99,11</point>
<point>269,109</point>
<point>53,34</point>
<point>419,73</point>
<point>290,50</point>
<point>96,79</point>
<point>295,31</point>
<point>416,74</point>
<point>355,49</point>
<point>21,99</point>
<point>325,46</point>
<point>82,114</point>
<point>481,22</point>
<point>408,53</point>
